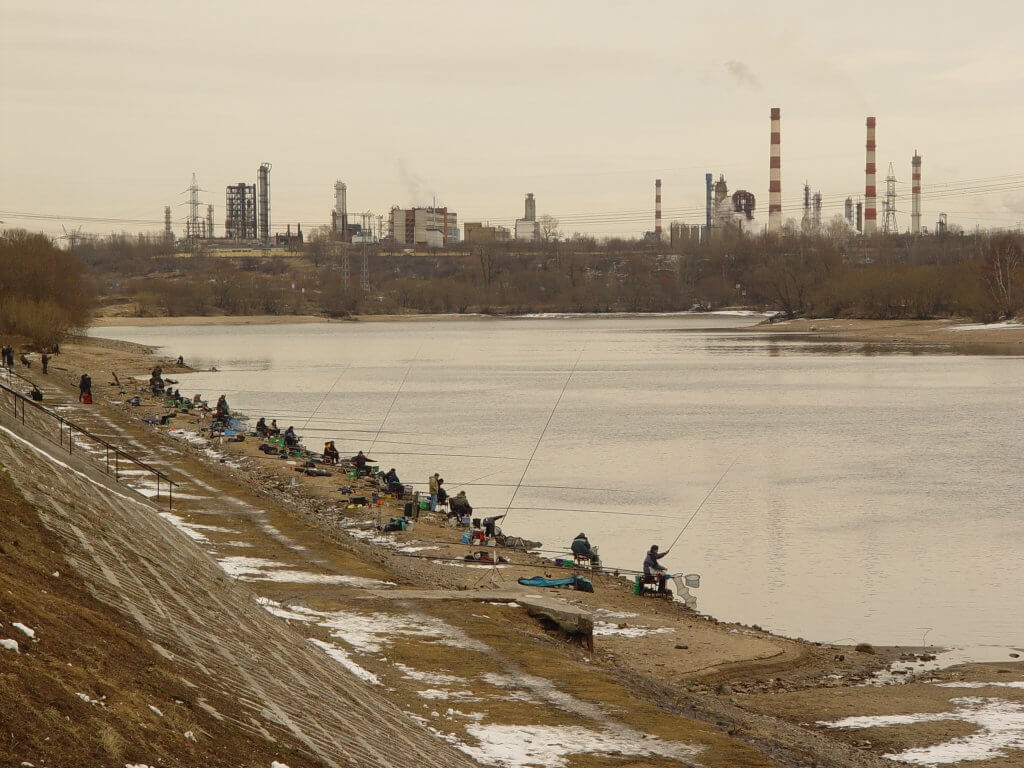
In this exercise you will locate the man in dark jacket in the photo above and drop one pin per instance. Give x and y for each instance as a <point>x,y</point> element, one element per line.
<point>653,569</point>
<point>581,548</point>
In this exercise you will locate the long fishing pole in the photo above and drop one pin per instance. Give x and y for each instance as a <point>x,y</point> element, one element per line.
<point>699,506</point>
<point>326,395</point>
<point>395,398</point>
<point>543,432</point>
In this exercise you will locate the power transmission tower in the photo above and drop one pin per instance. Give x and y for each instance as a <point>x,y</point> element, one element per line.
<point>195,227</point>
<point>889,225</point>
<point>344,269</point>
<point>364,275</point>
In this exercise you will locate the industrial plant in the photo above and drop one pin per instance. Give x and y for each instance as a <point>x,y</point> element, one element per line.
<point>247,219</point>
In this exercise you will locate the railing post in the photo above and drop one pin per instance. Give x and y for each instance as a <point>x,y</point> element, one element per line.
<point>158,486</point>
<point>107,452</point>
<point>117,465</point>
<point>71,439</point>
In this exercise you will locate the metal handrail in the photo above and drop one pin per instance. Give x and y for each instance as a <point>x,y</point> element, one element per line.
<point>72,428</point>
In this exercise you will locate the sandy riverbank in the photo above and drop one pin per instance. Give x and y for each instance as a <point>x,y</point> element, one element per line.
<point>755,689</point>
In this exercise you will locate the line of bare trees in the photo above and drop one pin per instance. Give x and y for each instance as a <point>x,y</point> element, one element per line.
<point>828,274</point>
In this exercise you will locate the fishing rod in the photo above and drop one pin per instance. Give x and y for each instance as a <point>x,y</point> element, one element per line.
<point>585,511</point>
<point>544,431</point>
<point>326,395</point>
<point>699,506</point>
<point>395,398</point>
<point>527,485</point>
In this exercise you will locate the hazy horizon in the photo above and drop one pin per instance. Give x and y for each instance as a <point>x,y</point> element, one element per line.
<point>109,107</point>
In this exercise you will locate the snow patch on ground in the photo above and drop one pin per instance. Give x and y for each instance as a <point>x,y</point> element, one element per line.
<point>261,569</point>
<point>436,693</point>
<point>518,746</point>
<point>1015,684</point>
<point>28,631</point>
<point>432,678</point>
<point>371,632</point>
<point>10,645</point>
<point>604,628</point>
<point>1000,728</point>
<point>341,656</point>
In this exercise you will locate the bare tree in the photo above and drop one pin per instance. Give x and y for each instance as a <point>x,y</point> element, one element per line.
<point>549,228</point>
<point>1003,274</point>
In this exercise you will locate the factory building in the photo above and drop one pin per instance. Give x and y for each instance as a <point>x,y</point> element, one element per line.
<point>528,228</point>
<point>240,212</point>
<point>476,232</point>
<point>424,227</point>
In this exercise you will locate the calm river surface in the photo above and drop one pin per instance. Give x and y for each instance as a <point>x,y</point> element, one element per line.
<point>874,497</point>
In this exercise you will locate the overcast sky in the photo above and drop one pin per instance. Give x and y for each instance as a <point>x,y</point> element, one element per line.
<point>108,107</point>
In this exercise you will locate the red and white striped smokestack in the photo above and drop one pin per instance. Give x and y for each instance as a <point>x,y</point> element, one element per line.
<point>775,173</point>
<point>657,209</point>
<point>870,186</point>
<point>915,192</point>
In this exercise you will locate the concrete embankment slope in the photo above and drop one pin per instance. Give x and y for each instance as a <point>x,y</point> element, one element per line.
<point>241,666</point>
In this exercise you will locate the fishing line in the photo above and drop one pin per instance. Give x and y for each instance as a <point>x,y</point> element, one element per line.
<point>395,398</point>
<point>544,431</point>
<point>326,395</point>
<point>708,496</point>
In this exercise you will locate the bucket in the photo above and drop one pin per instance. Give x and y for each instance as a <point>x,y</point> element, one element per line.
<point>692,580</point>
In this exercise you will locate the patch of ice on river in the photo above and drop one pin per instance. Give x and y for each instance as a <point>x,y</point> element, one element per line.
<point>900,672</point>
<point>605,628</point>
<point>261,569</point>
<point>1000,726</point>
<point>518,746</point>
<point>1003,326</point>
<point>341,656</point>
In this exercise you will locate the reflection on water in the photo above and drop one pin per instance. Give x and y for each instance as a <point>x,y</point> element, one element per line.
<point>876,491</point>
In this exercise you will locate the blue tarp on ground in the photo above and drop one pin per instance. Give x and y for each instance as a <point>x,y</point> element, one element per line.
<point>576,582</point>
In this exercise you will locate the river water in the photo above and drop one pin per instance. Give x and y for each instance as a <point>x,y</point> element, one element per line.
<point>875,495</point>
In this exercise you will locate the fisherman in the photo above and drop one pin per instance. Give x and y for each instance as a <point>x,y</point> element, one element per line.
<point>442,494</point>
<point>25,361</point>
<point>45,360</point>
<point>290,438</point>
<point>653,570</point>
<point>84,387</point>
<point>434,487</point>
<point>331,455</point>
<point>35,394</point>
<point>223,411</point>
<point>460,506</point>
<point>490,526</point>
<point>360,460</point>
<point>181,360</point>
<point>273,429</point>
<point>261,427</point>
<point>581,548</point>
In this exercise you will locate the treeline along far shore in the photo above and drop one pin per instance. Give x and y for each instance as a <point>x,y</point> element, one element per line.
<point>46,290</point>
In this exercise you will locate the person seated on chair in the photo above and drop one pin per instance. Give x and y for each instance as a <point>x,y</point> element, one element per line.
<point>290,438</point>
<point>261,427</point>
<point>394,485</point>
<point>653,570</point>
<point>273,430</point>
<point>360,462</point>
<point>581,549</point>
<point>459,505</point>
<point>442,494</point>
<point>331,455</point>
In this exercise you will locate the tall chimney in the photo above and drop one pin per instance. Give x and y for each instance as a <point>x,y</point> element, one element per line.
<point>708,178</point>
<point>915,192</point>
<point>657,209</point>
<point>775,174</point>
<point>870,193</point>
